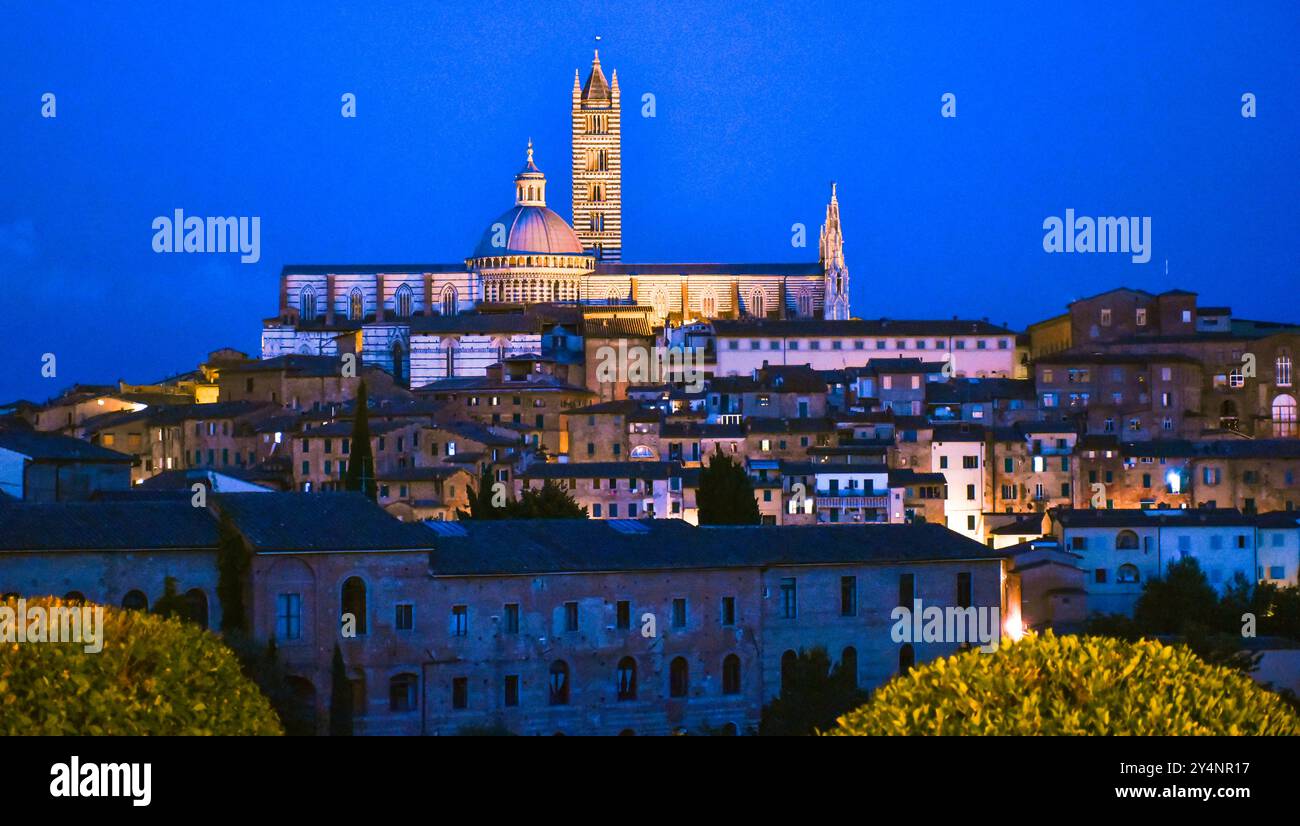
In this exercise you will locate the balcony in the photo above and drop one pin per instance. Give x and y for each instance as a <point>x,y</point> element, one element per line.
<point>839,500</point>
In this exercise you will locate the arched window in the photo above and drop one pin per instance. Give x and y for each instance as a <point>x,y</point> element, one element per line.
<point>1228,415</point>
<point>135,601</point>
<point>402,300</point>
<point>731,674</point>
<point>708,305</point>
<point>403,693</point>
<point>1282,369</point>
<point>613,297</point>
<point>449,300</point>
<point>679,678</point>
<point>1126,541</point>
<point>660,303</point>
<point>356,305</point>
<point>804,304</point>
<point>906,658</point>
<point>1284,422</point>
<point>399,362</point>
<point>627,679</point>
<point>559,683</point>
<point>196,607</point>
<point>354,601</point>
<point>756,307</point>
<point>307,304</point>
<point>1127,573</point>
<point>849,665</point>
<point>788,661</point>
<point>642,452</point>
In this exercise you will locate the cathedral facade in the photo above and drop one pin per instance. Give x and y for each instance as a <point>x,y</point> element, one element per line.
<point>531,255</point>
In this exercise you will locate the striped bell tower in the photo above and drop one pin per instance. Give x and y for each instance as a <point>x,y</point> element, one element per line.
<point>598,164</point>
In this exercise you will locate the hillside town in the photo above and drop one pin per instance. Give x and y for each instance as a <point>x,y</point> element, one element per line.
<point>347,474</point>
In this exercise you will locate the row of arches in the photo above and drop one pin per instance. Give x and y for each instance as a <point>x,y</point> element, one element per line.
<point>193,603</point>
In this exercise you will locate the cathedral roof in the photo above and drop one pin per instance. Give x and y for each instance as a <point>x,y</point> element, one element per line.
<point>530,229</point>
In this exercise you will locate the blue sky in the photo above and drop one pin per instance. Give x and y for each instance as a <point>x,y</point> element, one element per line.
<point>233,109</point>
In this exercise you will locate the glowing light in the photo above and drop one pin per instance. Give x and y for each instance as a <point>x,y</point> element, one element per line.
<point>1175,480</point>
<point>1014,628</point>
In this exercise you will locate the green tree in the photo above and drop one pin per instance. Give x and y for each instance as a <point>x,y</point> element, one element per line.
<point>234,560</point>
<point>340,697</point>
<point>480,500</point>
<point>550,501</point>
<point>726,494</point>
<point>814,694</point>
<point>1168,604</point>
<point>1049,685</point>
<point>154,676</point>
<point>361,461</point>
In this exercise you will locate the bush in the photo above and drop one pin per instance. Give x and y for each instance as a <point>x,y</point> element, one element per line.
<point>1072,685</point>
<point>154,676</point>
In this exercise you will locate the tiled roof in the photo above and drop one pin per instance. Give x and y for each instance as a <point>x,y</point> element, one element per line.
<point>53,447</point>
<point>603,470</point>
<point>429,473</point>
<point>589,545</point>
<point>966,391</point>
<point>319,522</point>
<point>120,525</point>
<point>1162,517</point>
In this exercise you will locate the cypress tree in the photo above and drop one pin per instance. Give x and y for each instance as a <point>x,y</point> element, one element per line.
<point>340,698</point>
<point>361,461</point>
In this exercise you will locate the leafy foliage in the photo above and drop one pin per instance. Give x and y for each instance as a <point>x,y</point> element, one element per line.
<point>1184,604</point>
<point>234,560</point>
<point>726,494</point>
<point>1072,685</point>
<point>550,501</point>
<point>813,695</point>
<point>361,460</point>
<point>154,676</point>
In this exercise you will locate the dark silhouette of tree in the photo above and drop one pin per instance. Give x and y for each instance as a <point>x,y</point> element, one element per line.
<point>361,461</point>
<point>340,697</point>
<point>1183,594</point>
<point>233,562</point>
<point>548,502</point>
<point>726,494</point>
<point>813,696</point>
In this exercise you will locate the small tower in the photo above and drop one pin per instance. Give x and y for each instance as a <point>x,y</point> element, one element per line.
<point>598,164</point>
<point>836,274</point>
<point>530,183</point>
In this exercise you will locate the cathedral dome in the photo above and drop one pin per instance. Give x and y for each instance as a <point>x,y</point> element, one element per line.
<point>529,229</point>
<point>529,226</point>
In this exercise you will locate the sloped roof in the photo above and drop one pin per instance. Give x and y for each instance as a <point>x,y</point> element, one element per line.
<point>319,522</point>
<point>120,525</point>
<point>54,447</point>
<point>524,547</point>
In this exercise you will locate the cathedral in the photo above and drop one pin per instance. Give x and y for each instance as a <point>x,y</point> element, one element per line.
<point>529,256</point>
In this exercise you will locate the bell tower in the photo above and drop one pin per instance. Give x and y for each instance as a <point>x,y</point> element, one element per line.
<point>598,164</point>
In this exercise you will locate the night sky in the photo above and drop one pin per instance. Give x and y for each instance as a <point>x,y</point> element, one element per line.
<point>234,109</point>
